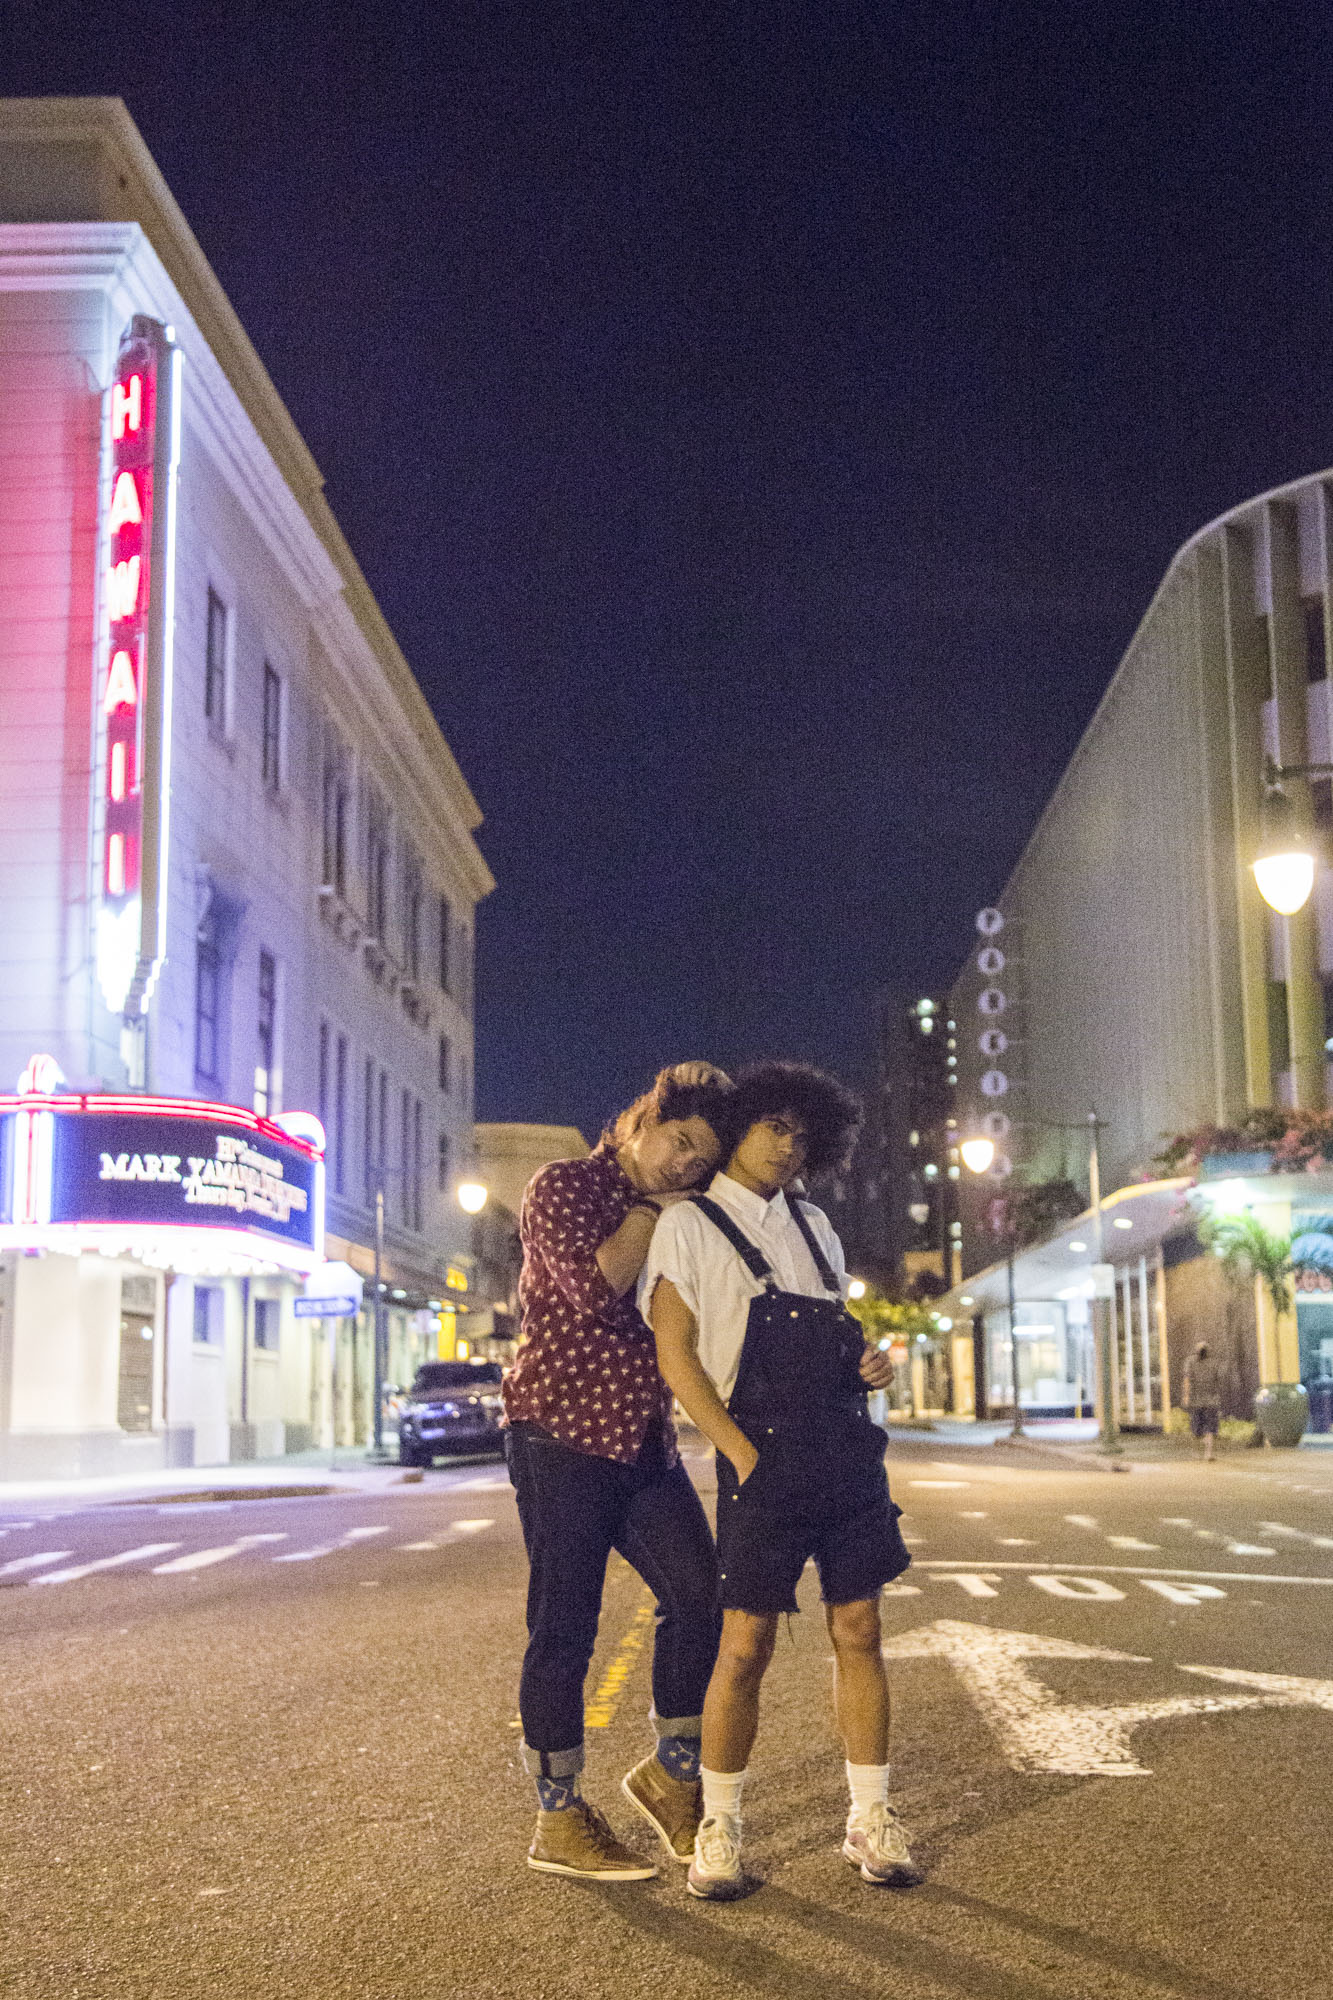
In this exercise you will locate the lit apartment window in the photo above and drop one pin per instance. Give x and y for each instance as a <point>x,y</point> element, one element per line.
<point>266,1028</point>
<point>340,1117</point>
<point>443,1162</point>
<point>266,1325</point>
<point>272,764</point>
<point>446,1064</point>
<point>207,987</point>
<point>215,666</point>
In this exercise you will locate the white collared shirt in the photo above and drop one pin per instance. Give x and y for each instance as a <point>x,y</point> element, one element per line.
<point>711,1278</point>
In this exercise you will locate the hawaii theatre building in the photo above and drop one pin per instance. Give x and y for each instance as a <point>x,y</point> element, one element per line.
<point>238,867</point>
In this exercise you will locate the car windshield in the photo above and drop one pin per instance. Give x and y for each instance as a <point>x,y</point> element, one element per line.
<point>438,1375</point>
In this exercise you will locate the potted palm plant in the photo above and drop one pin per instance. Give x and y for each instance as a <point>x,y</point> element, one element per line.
<point>1246,1249</point>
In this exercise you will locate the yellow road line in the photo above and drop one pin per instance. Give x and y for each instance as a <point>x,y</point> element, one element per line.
<point>600,1712</point>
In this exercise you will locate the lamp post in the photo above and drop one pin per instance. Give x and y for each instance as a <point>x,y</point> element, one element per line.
<point>1285,864</point>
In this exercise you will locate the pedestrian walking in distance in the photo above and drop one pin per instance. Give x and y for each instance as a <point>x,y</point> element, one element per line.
<point>594,1464</point>
<point>1203,1396</point>
<point>745,1289</point>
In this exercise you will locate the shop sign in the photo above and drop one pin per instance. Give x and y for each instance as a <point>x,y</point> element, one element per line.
<point>134,696</point>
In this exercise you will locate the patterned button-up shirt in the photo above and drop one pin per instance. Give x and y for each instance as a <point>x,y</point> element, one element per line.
<point>586,1370</point>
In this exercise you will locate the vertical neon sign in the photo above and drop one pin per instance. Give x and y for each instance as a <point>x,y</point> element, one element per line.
<point>135,682</point>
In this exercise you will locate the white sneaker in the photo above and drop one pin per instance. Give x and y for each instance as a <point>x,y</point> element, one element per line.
<point>877,1845</point>
<point>715,1872</point>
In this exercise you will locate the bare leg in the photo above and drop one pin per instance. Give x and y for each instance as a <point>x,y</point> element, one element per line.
<point>860,1685</point>
<point>731,1706</point>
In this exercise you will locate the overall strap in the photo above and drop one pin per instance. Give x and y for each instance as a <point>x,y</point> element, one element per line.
<point>822,1265</point>
<point>752,1258</point>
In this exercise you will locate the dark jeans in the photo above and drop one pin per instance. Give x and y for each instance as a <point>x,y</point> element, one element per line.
<point>575,1509</point>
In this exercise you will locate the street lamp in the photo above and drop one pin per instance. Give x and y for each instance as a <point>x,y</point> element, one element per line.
<point>1284,867</point>
<point>472,1197</point>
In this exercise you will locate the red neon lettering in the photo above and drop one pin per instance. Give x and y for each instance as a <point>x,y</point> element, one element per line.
<point>117,784</point>
<point>115,865</point>
<point>126,406</point>
<point>121,688</point>
<point>125,508</point>
<point>123,584</point>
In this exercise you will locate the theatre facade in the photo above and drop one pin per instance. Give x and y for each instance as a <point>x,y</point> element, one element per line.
<point>238,868</point>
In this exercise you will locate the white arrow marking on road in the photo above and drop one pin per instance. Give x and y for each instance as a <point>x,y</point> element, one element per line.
<point>35,1562</point>
<point>974,1585</point>
<point>205,1558</point>
<point>105,1562</point>
<point>1039,1733</point>
<point>1297,1534</point>
<point>1130,1542</point>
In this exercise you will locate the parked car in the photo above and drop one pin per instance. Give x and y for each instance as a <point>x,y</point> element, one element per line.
<point>451,1406</point>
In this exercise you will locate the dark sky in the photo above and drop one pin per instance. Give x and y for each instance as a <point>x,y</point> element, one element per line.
<point>763,425</point>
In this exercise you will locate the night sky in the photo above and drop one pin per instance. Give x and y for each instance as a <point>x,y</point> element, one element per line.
<point>763,427</point>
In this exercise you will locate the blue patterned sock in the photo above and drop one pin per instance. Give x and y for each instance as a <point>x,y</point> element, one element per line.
<point>680,1756</point>
<point>557,1794</point>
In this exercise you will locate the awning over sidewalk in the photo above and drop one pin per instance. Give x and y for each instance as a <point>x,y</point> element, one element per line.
<point>1135,1221</point>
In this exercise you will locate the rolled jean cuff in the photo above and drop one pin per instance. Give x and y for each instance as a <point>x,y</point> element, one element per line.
<point>552,1763</point>
<point>677,1725</point>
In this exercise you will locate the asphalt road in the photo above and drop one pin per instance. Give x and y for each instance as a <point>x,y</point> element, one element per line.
<point>267,1748</point>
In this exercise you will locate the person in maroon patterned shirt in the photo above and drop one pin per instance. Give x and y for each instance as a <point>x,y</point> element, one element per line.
<point>593,1460</point>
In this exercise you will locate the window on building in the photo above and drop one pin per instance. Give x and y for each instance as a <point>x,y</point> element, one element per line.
<point>324,1074</point>
<point>1316,640</point>
<point>266,1030</point>
<point>215,666</point>
<point>1279,1039</point>
<point>377,867</point>
<point>446,1062</point>
<point>267,1314</point>
<point>443,1162</point>
<point>340,1117</point>
<point>207,992</point>
<point>368,1133</point>
<point>416,1165</point>
<point>413,897</point>
<point>405,1159</point>
<point>337,796</point>
<point>446,928</point>
<point>208,1315</point>
<point>272,763</point>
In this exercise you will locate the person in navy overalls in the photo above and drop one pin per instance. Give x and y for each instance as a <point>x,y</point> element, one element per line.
<point>745,1288</point>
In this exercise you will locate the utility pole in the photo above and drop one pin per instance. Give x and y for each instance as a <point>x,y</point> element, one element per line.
<point>377,1360</point>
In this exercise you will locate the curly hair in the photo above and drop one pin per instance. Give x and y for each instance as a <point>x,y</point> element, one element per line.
<point>830,1115</point>
<point>670,1099</point>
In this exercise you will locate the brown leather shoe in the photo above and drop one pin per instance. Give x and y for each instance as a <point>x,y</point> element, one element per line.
<point>673,1806</point>
<point>578,1841</point>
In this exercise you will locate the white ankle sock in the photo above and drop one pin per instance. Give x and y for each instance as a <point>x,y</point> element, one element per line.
<point>868,1785</point>
<point>722,1793</point>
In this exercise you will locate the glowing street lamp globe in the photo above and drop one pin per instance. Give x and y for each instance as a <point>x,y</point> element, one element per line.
<point>1285,880</point>
<point>471,1197</point>
<point>977,1154</point>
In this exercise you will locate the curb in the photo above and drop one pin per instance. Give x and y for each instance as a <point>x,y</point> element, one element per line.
<point>1057,1454</point>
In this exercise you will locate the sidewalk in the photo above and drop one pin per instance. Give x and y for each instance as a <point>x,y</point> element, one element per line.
<point>1069,1441</point>
<point>300,1475</point>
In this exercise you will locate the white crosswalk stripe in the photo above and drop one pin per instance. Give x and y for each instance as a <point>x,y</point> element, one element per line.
<point>35,1562</point>
<point>471,1527</point>
<point>1285,1533</point>
<point>1083,1520</point>
<point>205,1558</point>
<point>1130,1542</point>
<point>352,1536</point>
<point>141,1554</point>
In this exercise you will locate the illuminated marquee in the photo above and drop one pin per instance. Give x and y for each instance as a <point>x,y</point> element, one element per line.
<point>140,1174</point>
<point>135,680</point>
